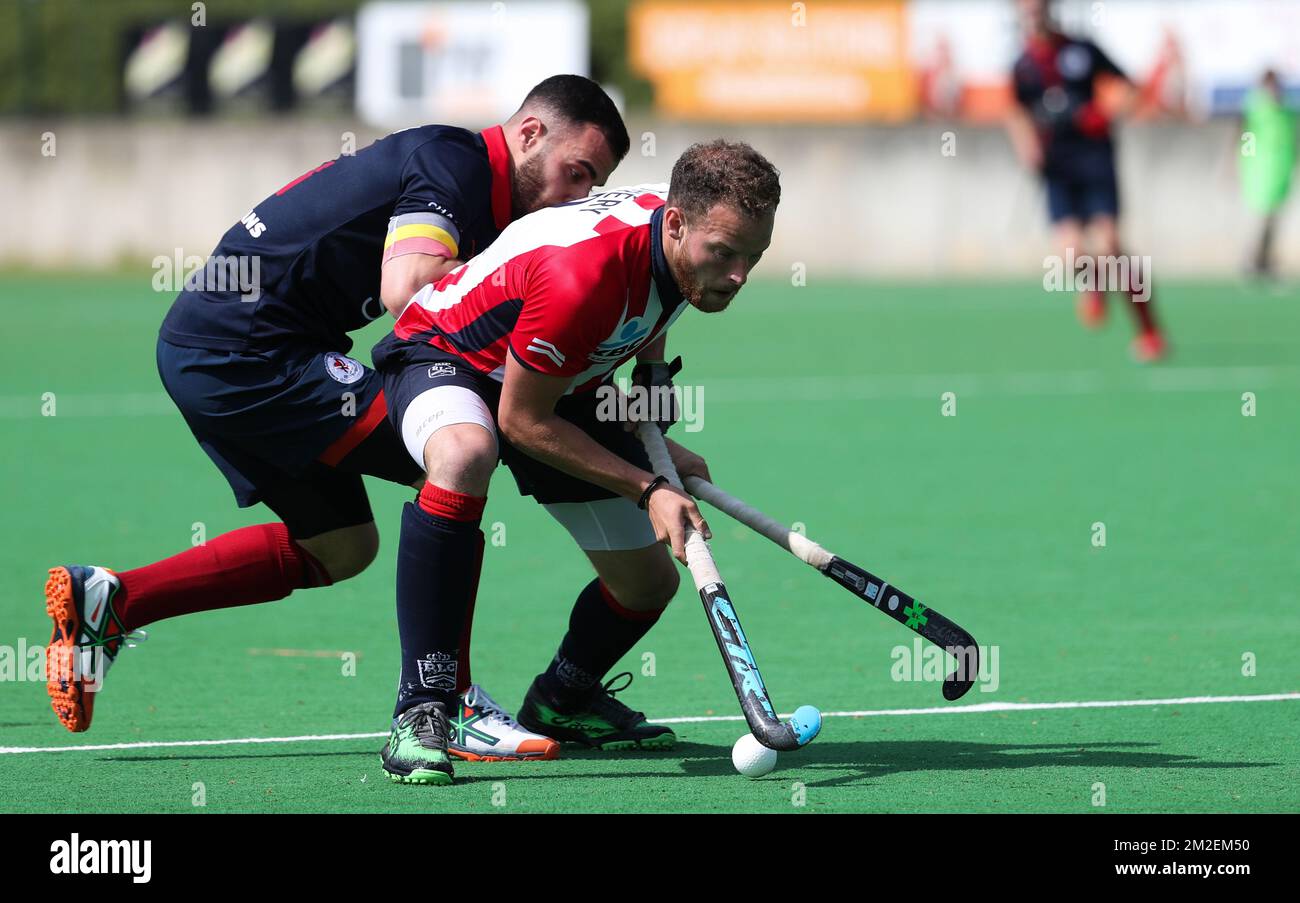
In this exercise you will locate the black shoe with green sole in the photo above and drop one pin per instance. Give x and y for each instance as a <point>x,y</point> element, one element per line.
<point>416,751</point>
<point>600,721</point>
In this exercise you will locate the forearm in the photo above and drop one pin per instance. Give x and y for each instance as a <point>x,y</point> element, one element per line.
<point>564,446</point>
<point>404,276</point>
<point>655,350</point>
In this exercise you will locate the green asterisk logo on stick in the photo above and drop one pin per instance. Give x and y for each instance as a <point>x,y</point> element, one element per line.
<point>915,616</point>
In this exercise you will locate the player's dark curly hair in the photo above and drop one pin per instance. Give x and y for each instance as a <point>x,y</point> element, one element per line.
<point>724,172</point>
<point>582,102</point>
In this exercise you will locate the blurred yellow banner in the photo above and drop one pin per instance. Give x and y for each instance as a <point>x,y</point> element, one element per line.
<point>775,61</point>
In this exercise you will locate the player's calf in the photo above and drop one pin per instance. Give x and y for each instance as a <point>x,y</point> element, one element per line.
<point>345,552</point>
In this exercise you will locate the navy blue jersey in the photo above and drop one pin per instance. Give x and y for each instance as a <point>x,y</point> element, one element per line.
<point>304,264</point>
<point>1055,81</point>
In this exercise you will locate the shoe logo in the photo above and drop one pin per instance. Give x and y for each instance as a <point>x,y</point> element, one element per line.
<point>463,725</point>
<point>578,724</point>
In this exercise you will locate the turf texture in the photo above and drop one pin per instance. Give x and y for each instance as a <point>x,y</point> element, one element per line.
<point>822,404</point>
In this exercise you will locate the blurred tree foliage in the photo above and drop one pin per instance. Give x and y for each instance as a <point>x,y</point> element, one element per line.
<point>609,63</point>
<point>65,56</point>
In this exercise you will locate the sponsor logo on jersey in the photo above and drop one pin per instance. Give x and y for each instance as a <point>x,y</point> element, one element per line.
<point>253,223</point>
<point>442,369</point>
<point>616,347</point>
<point>343,369</point>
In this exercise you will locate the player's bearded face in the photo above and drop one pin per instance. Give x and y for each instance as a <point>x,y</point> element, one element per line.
<point>565,165</point>
<point>528,186</point>
<point>716,253</point>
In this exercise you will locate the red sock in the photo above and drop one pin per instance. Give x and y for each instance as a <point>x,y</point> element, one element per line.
<point>458,506</point>
<point>245,566</point>
<point>450,504</point>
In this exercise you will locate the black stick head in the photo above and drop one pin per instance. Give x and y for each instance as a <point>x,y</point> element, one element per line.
<point>955,688</point>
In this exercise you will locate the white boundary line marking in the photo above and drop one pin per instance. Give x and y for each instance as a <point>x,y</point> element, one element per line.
<point>976,709</point>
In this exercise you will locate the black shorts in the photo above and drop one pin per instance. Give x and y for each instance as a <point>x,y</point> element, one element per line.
<point>1082,185</point>
<point>409,370</point>
<point>294,427</point>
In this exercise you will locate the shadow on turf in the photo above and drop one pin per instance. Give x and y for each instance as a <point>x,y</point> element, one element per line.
<point>704,761</point>
<point>866,760</point>
<point>178,757</point>
<point>880,759</point>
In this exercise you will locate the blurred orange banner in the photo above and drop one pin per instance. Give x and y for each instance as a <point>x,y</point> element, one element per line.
<point>762,61</point>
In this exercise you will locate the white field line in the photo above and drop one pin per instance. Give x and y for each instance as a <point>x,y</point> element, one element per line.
<point>976,709</point>
<point>852,387</point>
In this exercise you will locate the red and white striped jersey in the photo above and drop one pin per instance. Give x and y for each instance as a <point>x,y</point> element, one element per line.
<point>572,291</point>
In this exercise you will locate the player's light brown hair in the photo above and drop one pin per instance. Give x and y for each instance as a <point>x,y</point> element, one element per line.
<point>724,172</point>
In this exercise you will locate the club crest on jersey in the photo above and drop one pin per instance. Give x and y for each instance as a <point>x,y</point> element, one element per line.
<point>343,369</point>
<point>619,346</point>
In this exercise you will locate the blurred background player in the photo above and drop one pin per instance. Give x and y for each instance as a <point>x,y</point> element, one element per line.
<point>506,361</point>
<point>1267,154</point>
<point>1061,129</point>
<point>261,375</point>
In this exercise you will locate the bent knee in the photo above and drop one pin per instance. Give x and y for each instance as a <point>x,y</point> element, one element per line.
<point>344,553</point>
<point>461,457</point>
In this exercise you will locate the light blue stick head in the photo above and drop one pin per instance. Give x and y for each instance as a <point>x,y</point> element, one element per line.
<point>806,722</point>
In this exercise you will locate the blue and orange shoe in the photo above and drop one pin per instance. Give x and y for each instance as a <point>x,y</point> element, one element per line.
<point>86,640</point>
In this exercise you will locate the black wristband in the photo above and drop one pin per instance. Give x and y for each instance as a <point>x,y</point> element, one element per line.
<point>654,484</point>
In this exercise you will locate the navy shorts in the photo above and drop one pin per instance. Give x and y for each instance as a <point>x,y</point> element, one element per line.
<point>1082,188</point>
<point>294,427</point>
<point>409,370</point>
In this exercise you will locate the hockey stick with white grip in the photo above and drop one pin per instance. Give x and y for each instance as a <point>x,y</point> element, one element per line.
<point>764,724</point>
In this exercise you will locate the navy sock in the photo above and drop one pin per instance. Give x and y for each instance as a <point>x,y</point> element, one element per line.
<point>600,633</point>
<point>437,573</point>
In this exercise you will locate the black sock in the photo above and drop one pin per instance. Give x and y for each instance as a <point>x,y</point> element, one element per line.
<point>600,633</point>
<point>435,588</point>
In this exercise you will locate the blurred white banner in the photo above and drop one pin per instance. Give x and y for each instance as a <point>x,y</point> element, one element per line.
<point>470,63</point>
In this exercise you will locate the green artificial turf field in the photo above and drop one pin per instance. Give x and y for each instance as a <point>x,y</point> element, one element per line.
<point>822,404</point>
